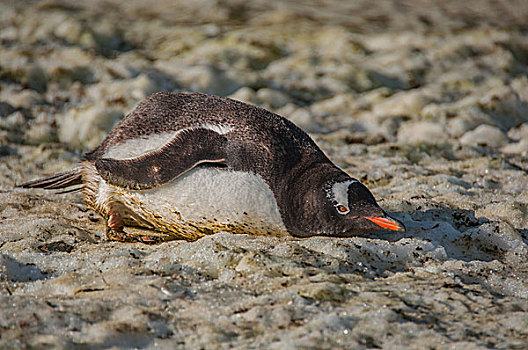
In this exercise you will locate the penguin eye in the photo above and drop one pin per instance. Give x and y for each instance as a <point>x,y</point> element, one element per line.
<point>341,209</point>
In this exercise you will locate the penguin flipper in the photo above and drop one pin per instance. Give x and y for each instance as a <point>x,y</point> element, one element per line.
<point>185,151</point>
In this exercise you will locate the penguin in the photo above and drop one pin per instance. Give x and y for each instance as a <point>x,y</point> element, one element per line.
<point>189,164</point>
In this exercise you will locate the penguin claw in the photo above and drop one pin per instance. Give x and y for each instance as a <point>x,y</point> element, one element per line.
<point>149,239</point>
<point>119,236</point>
<point>124,237</point>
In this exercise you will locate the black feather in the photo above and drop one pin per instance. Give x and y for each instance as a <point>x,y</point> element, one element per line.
<point>60,180</point>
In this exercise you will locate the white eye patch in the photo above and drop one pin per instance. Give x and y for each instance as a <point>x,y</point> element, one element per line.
<point>339,193</point>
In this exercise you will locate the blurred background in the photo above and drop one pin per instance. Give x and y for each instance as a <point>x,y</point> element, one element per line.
<point>417,72</point>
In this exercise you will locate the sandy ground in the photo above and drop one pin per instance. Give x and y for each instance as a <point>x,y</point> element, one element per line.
<point>425,102</point>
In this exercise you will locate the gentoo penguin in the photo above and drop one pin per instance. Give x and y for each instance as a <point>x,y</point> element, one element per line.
<point>190,164</point>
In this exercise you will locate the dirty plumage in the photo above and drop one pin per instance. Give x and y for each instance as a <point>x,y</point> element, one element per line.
<point>187,165</point>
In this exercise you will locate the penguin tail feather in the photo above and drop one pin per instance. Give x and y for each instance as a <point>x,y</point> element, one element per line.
<point>61,180</point>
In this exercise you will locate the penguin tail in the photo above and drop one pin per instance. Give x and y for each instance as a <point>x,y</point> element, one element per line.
<point>58,181</point>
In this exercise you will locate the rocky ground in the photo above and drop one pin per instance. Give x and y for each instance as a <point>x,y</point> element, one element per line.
<point>425,102</point>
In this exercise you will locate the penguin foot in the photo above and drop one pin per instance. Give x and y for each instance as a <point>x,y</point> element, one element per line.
<point>124,237</point>
<point>114,228</point>
<point>120,236</point>
<point>115,232</point>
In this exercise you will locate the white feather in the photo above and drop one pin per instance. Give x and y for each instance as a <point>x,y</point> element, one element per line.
<point>136,147</point>
<point>219,128</point>
<point>206,194</point>
<point>339,192</point>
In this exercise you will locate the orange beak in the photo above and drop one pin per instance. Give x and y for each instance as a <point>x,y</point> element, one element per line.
<point>390,224</point>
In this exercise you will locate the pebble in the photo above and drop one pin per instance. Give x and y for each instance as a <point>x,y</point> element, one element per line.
<point>13,122</point>
<point>245,94</point>
<point>389,93</point>
<point>203,78</point>
<point>484,135</point>
<point>5,109</point>
<point>273,98</point>
<point>520,147</point>
<point>402,104</point>
<point>422,133</point>
<point>40,133</point>
<point>466,120</point>
<point>304,119</point>
<point>86,128</point>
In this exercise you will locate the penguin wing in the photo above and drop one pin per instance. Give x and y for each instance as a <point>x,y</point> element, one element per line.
<point>185,151</point>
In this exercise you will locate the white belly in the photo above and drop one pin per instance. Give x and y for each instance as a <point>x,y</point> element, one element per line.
<point>207,200</point>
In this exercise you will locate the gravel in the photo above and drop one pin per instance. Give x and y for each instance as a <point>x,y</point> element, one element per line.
<point>425,102</point>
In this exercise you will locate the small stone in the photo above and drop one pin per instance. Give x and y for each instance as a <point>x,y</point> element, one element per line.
<point>484,135</point>
<point>402,104</point>
<point>506,104</point>
<point>142,86</point>
<point>86,128</point>
<point>466,120</point>
<point>520,147</point>
<point>273,98</point>
<point>205,78</point>
<point>129,90</point>
<point>5,109</point>
<point>245,94</point>
<point>324,292</point>
<point>70,30</point>
<point>304,119</point>
<point>519,133</point>
<point>39,133</point>
<point>421,133</point>
<point>25,98</point>
<point>14,121</point>
<point>339,104</point>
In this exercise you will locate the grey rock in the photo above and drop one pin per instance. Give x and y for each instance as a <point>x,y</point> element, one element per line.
<point>5,109</point>
<point>272,98</point>
<point>87,127</point>
<point>423,132</point>
<point>396,94</point>
<point>484,135</point>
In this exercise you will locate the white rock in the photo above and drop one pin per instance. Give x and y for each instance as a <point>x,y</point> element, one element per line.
<point>135,89</point>
<point>484,135</point>
<point>404,103</point>
<point>86,128</point>
<point>39,133</point>
<point>338,104</point>
<point>203,78</point>
<point>519,133</point>
<point>13,121</point>
<point>25,98</point>
<point>466,120</point>
<point>422,132</point>
<point>273,98</point>
<point>143,86</point>
<point>304,119</point>
<point>70,30</point>
<point>520,147</point>
<point>245,94</point>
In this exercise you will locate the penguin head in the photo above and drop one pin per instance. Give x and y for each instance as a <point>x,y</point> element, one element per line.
<point>351,210</point>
